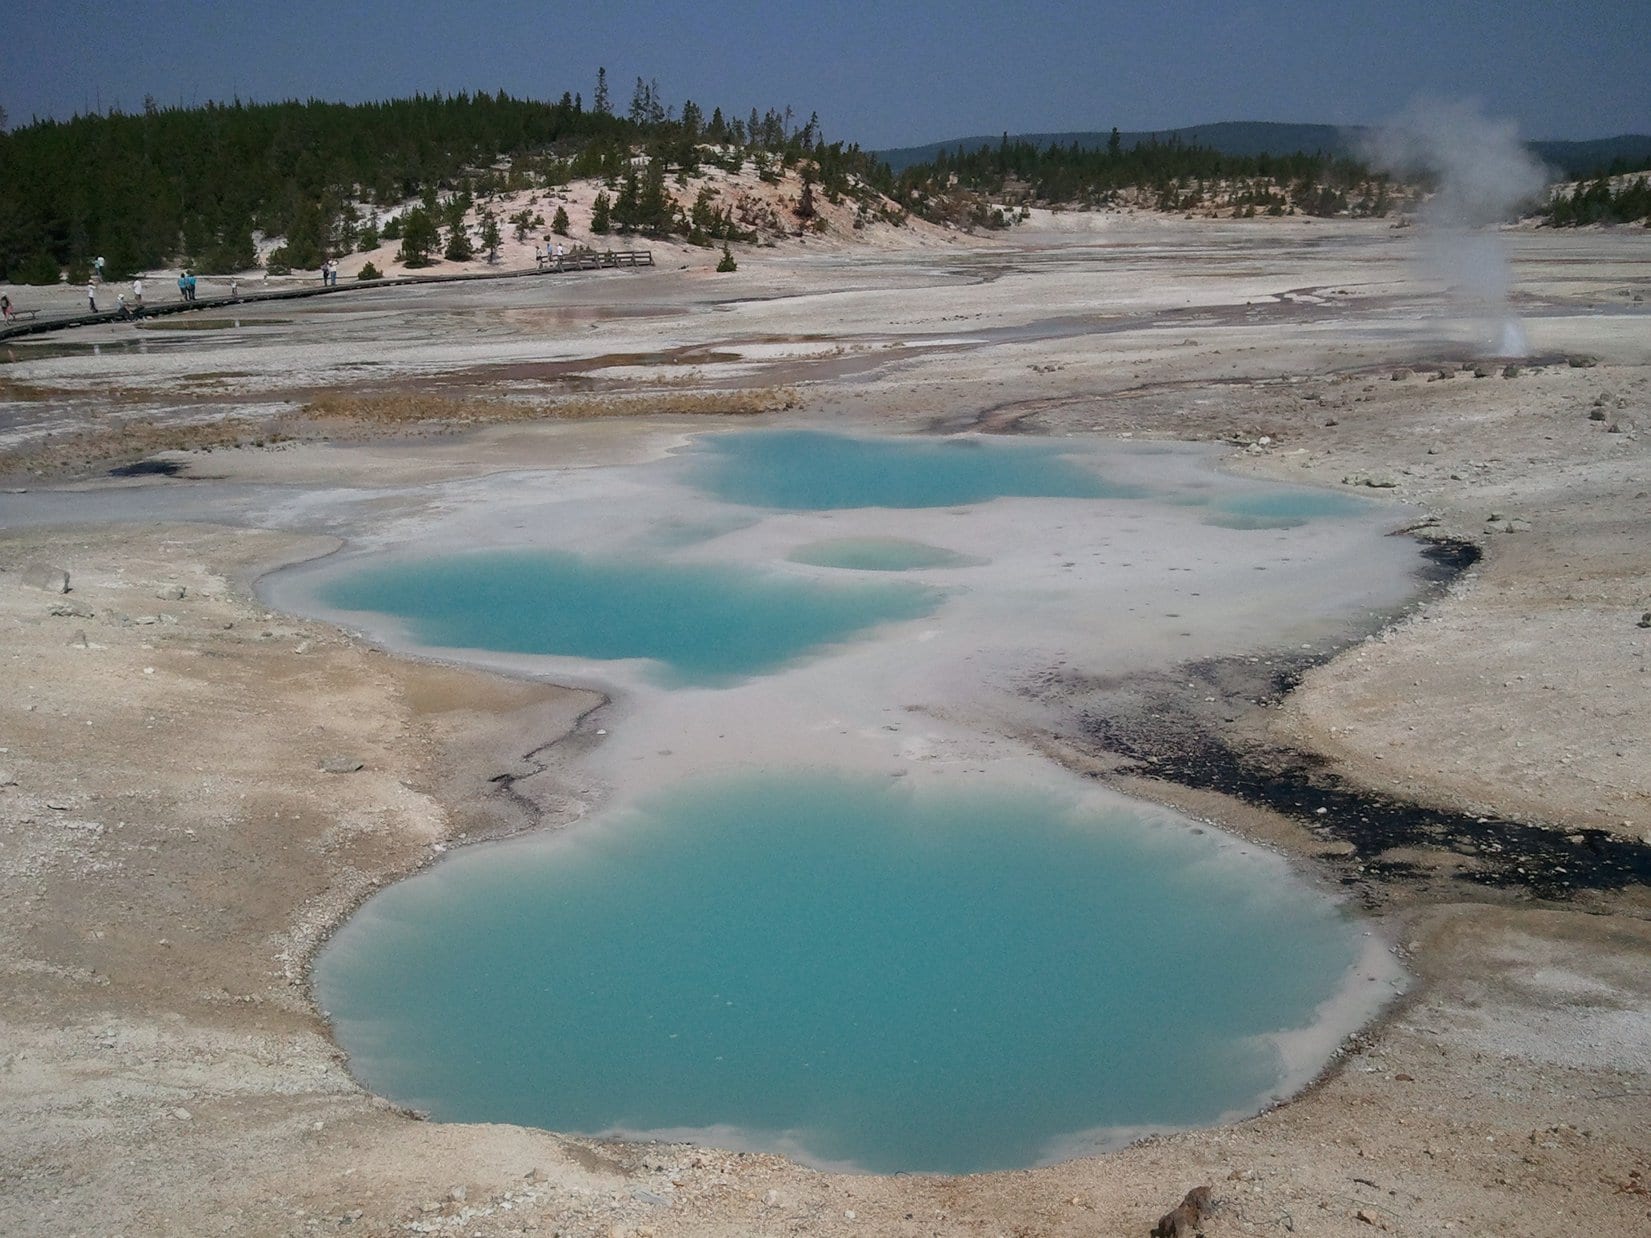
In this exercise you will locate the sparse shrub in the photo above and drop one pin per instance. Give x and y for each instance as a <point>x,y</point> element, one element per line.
<point>370,272</point>
<point>37,269</point>
<point>459,248</point>
<point>727,263</point>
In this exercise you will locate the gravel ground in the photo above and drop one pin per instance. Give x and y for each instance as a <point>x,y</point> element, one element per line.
<point>174,838</point>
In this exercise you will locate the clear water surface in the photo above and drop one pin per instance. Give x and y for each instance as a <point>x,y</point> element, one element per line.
<point>808,470</point>
<point>844,969</point>
<point>703,624</point>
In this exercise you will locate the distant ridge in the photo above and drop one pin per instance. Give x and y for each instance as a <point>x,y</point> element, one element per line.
<point>1569,159</point>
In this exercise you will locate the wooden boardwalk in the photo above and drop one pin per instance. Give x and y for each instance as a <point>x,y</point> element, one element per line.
<point>586,260</point>
<point>593,261</point>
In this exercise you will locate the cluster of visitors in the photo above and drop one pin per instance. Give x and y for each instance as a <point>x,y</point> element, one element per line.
<point>550,252</point>
<point>186,286</point>
<point>329,273</point>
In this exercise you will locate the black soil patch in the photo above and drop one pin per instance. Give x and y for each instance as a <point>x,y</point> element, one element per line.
<point>1171,729</point>
<point>148,468</point>
<point>1496,852</point>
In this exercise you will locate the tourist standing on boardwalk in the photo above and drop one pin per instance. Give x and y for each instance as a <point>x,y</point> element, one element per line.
<point>91,295</point>
<point>137,293</point>
<point>183,285</point>
<point>190,286</point>
<point>99,265</point>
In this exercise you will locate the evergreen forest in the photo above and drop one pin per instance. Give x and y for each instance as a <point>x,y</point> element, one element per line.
<point>196,186</point>
<point>1168,176</point>
<point>1597,202</point>
<point>190,186</point>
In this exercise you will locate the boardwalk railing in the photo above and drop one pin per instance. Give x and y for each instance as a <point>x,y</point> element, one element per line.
<point>590,260</point>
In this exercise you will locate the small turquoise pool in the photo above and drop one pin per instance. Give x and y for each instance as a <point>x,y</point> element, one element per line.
<point>700,624</point>
<point>807,470</point>
<point>841,968</point>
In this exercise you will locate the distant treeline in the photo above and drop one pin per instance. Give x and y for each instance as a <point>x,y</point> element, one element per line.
<point>1175,175</point>
<point>192,185</point>
<point>1596,202</point>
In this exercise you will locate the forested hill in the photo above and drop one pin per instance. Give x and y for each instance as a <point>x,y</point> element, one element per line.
<point>192,185</point>
<point>993,185</point>
<point>1569,159</point>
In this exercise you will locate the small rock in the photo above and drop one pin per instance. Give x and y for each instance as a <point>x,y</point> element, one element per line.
<point>1400,375</point>
<point>1482,371</point>
<point>183,1115</point>
<point>458,1193</point>
<point>1645,622</point>
<point>46,576</point>
<point>78,640</point>
<point>9,779</point>
<point>171,593</point>
<point>69,610</point>
<point>1581,361</point>
<point>1184,1220</point>
<point>340,765</point>
<point>1596,414</point>
<point>1511,371</point>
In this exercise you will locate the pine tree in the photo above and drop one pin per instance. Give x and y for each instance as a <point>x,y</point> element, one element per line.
<point>655,212</point>
<point>599,102</point>
<point>805,204</point>
<point>601,215</point>
<point>418,238</point>
<point>626,207</point>
<point>490,235</point>
<point>559,223</point>
<point>458,248</point>
<point>726,263</point>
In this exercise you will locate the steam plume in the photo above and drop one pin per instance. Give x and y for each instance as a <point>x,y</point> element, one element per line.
<point>1482,175</point>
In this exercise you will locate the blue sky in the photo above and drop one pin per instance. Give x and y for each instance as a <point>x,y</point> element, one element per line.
<point>881,73</point>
